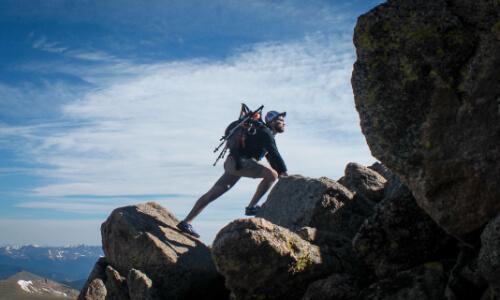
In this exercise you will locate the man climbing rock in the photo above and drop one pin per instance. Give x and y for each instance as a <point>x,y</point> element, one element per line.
<point>245,162</point>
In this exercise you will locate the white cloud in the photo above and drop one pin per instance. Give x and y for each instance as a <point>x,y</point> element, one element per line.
<point>32,102</point>
<point>92,56</point>
<point>42,44</point>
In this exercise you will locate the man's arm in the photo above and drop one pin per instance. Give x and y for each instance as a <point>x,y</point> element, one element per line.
<point>273,155</point>
<point>273,165</point>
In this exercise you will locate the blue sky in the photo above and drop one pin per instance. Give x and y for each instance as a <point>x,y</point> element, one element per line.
<point>110,103</point>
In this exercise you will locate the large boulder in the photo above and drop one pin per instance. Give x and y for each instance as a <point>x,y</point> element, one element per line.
<point>399,235</point>
<point>261,260</point>
<point>143,239</point>
<point>427,91</point>
<point>297,201</point>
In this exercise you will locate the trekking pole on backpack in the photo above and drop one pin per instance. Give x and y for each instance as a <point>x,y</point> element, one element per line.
<point>246,119</point>
<point>221,155</point>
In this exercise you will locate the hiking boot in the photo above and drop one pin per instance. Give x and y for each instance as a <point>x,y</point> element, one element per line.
<point>187,228</point>
<point>252,211</point>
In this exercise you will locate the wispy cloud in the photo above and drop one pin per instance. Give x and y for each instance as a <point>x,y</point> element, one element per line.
<point>32,101</point>
<point>41,43</point>
<point>93,56</point>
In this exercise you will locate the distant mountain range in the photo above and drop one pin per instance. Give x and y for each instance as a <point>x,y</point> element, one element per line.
<point>28,286</point>
<point>70,265</point>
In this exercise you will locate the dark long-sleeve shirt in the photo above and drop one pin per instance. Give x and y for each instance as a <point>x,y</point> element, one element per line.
<point>262,144</point>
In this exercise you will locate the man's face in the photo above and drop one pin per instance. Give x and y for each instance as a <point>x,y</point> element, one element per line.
<point>279,124</point>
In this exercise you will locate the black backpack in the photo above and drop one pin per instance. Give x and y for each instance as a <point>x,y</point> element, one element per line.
<point>236,141</point>
<point>237,131</point>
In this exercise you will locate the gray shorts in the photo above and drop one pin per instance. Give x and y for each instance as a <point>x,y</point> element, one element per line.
<point>249,168</point>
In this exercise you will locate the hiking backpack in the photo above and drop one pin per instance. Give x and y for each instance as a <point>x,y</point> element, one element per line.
<point>237,131</point>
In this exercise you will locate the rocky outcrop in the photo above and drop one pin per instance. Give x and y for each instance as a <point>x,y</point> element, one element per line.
<point>324,204</point>
<point>427,91</point>
<point>261,260</point>
<point>398,252</point>
<point>147,255</point>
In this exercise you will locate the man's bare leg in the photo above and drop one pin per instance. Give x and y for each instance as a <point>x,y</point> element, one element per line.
<point>215,192</point>
<point>269,176</point>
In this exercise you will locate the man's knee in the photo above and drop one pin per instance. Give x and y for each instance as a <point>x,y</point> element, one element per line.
<point>224,184</point>
<point>270,175</point>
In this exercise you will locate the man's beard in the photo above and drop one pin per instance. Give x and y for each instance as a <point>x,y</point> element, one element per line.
<point>279,129</point>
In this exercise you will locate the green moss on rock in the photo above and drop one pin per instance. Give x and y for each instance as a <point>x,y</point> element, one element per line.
<point>302,262</point>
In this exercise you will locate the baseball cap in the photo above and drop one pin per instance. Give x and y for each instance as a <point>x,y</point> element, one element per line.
<point>271,115</point>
